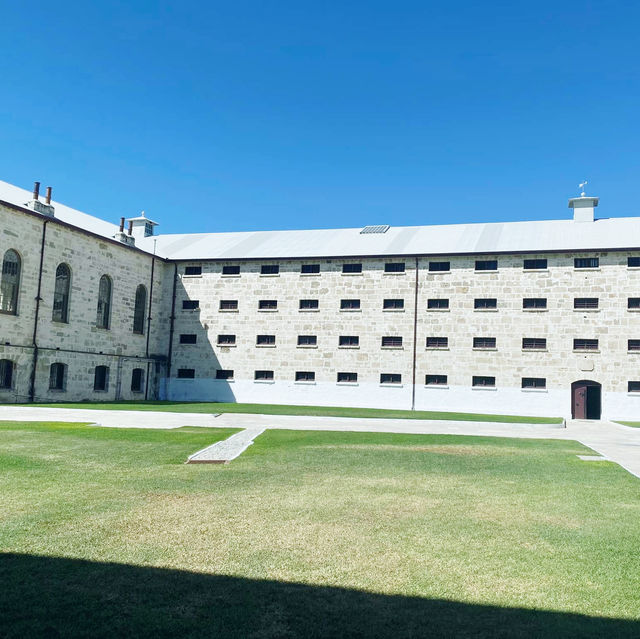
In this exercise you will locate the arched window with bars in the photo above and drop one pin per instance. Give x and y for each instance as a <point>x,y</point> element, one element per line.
<point>10,284</point>
<point>140,309</point>
<point>103,318</point>
<point>61,294</point>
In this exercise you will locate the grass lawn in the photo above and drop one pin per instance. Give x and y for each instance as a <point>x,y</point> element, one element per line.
<point>633,424</point>
<point>106,532</point>
<point>326,411</point>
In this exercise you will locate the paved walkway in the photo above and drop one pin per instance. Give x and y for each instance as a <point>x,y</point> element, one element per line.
<point>227,449</point>
<point>620,444</point>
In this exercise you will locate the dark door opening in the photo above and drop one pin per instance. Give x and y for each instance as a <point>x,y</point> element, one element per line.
<point>585,399</point>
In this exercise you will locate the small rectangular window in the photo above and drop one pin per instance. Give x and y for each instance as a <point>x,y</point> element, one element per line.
<point>394,267</point>
<point>348,377</point>
<point>391,341</point>
<point>435,380</point>
<point>437,304</point>
<point>186,373</point>
<point>137,379</point>
<point>349,305</point>
<point>57,376</point>
<point>188,338</point>
<point>484,342</point>
<point>585,302</point>
<point>439,267</point>
<point>534,343</point>
<point>393,304</point>
<point>190,305</point>
<point>231,269</point>
<point>633,261</point>
<point>536,264</point>
<point>226,340</point>
<point>101,378</point>
<point>228,305</point>
<point>437,342</point>
<point>224,373</point>
<point>310,269</point>
<point>586,262</point>
<point>534,302</point>
<point>348,340</point>
<point>265,340</point>
<point>309,305</point>
<point>268,305</point>
<point>633,386</point>
<point>390,378</point>
<point>263,376</point>
<point>585,344</point>
<point>352,268</point>
<point>305,376</point>
<point>270,269</point>
<point>633,345</point>
<point>483,380</point>
<point>486,265</point>
<point>307,340</point>
<point>633,302</point>
<point>534,382</point>
<point>193,270</point>
<point>485,303</point>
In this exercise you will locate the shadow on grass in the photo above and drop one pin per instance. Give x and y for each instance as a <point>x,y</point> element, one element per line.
<point>54,597</point>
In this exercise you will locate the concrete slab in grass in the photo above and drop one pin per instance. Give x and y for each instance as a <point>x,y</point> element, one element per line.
<point>226,450</point>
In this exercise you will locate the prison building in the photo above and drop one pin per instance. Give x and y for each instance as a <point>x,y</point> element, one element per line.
<point>536,318</point>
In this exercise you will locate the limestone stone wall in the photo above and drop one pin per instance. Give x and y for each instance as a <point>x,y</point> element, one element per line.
<point>79,343</point>
<point>612,324</point>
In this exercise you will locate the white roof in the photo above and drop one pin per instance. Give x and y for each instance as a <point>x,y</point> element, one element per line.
<point>20,197</point>
<point>448,239</point>
<point>504,237</point>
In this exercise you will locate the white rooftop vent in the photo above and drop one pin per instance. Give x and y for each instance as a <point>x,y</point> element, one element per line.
<point>381,228</point>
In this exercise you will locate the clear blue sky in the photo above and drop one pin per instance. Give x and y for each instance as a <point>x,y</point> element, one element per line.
<point>216,116</point>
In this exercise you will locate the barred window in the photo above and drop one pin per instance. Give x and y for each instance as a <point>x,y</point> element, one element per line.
<point>348,340</point>
<point>228,305</point>
<point>352,268</point>
<point>534,302</point>
<point>310,269</point>
<point>535,264</point>
<point>60,311</point>
<point>436,267</point>
<point>394,267</point>
<point>103,315</point>
<point>633,386</point>
<point>139,310</point>
<point>633,345</point>
<point>485,303</point>
<point>484,342</point>
<point>435,380</point>
<point>263,376</point>
<point>190,305</point>
<point>585,302</point>
<point>391,341</point>
<point>534,343</point>
<point>193,270</point>
<point>347,377</point>
<point>586,262</point>
<point>226,340</point>
<point>390,378</point>
<point>437,342</point>
<point>57,376</point>
<point>305,376</point>
<point>633,302</point>
<point>10,283</point>
<point>393,304</point>
<point>268,305</point>
<point>307,340</point>
<point>309,305</point>
<point>231,269</point>
<point>633,261</point>
<point>486,265</point>
<point>534,382</point>
<point>483,380</point>
<point>437,303</point>
<point>585,344</point>
<point>186,373</point>
<point>270,269</point>
<point>265,340</point>
<point>224,373</point>
<point>350,305</point>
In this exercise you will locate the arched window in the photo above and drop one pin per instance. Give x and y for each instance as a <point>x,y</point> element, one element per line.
<point>103,319</point>
<point>139,310</point>
<point>10,284</point>
<point>61,294</point>
<point>6,373</point>
<point>57,376</point>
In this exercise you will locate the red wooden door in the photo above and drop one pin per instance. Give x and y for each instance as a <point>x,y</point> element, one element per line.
<point>580,402</point>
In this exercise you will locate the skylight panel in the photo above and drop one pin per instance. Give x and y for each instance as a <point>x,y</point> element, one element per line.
<point>381,228</point>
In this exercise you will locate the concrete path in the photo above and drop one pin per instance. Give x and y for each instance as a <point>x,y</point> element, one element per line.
<point>620,444</point>
<point>226,450</point>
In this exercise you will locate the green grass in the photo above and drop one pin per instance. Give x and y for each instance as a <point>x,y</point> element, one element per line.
<point>632,424</point>
<point>106,532</point>
<point>326,411</point>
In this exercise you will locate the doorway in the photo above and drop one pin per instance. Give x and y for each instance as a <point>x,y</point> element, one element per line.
<point>586,399</point>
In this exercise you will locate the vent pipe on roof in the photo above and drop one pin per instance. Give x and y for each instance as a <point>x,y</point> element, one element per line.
<point>130,227</point>
<point>40,207</point>
<point>121,236</point>
<point>121,229</point>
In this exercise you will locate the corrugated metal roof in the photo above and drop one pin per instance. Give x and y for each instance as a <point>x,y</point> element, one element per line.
<point>448,239</point>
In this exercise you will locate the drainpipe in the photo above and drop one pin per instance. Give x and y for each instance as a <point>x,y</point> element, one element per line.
<point>34,340</point>
<point>415,337</point>
<point>146,352</point>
